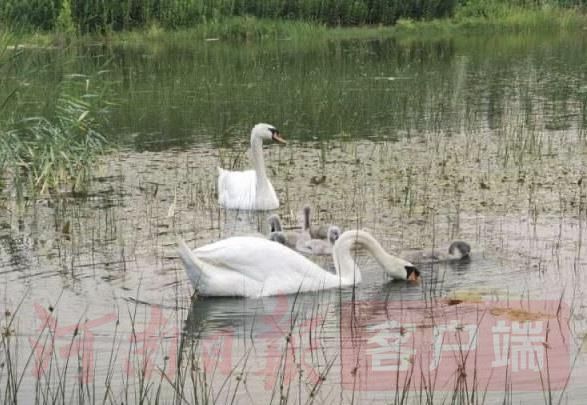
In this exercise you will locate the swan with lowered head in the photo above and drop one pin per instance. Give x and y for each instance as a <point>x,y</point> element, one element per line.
<point>321,247</point>
<point>250,189</point>
<point>457,251</point>
<point>254,267</point>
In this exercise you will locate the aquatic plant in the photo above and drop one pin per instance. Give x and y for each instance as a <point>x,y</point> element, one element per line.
<point>59,148</point>
<point>176,360</point>
<point>190,374</point>
<point>50,154</point>
<point>110,15</point>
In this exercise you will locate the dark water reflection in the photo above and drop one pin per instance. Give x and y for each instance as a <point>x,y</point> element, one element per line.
<point>181,93</point>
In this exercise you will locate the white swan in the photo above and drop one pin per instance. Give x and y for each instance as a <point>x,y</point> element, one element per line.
<point>250,189</point>
<point>255,267</point>
<point>320,247</point>
<point>458,250</point>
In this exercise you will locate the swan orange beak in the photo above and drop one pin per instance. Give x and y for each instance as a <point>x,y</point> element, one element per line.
<point>277,138</point>
<point>413,274</point>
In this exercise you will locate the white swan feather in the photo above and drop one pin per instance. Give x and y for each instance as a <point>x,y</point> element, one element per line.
<point>253,267</point>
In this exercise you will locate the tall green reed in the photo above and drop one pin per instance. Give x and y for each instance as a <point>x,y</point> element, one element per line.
<point>111,15</point>
<point>58,148</point>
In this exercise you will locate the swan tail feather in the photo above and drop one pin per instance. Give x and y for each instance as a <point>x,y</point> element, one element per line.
<point>193,266</point>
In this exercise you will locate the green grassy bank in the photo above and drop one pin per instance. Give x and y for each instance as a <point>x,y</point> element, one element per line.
<point>252,28</point>
<point>46,22</point>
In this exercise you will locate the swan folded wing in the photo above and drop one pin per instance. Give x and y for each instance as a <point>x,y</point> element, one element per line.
<point>237,189</point>
<point>254,257</point>
<point>215,279</point>
<point>266,268</point>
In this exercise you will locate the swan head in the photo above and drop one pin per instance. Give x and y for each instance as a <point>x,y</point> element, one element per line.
<point>266,132</point>
<point>334,233</point>
<point>394,266</point>
<point>274,223</point>
<point>278,237</point>
<point>400,269</point>
<point>459,250</point>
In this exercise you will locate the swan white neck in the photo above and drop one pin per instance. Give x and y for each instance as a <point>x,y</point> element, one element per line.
<point>257,156</point>
<point>348,271</point>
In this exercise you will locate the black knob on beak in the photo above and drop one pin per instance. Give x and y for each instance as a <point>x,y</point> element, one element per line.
<point>412,273</point>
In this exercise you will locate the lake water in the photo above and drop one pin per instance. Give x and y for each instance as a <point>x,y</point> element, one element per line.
<point>421,142</point>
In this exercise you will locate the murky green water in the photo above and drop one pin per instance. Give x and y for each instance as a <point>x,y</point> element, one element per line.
<point>482,139</point>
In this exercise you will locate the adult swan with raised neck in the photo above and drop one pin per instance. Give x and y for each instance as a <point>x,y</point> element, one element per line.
<point>250,189</point>
<point>246,266</point>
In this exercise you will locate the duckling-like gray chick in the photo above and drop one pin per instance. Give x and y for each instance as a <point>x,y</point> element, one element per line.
<point>458,250</point>
<point>287,238</point>
<point>315,231</point>
<point>319,246</point>
<point>278,237</point>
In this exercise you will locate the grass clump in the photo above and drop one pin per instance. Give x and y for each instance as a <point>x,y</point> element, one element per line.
<point>67,20</point>
<point>114,15</point>
<point>43,154</point>
<point>64,23</point>
<point>109,15</point>
<point>58,148</point>
<point>233,29</point>
<point>519,16</point>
